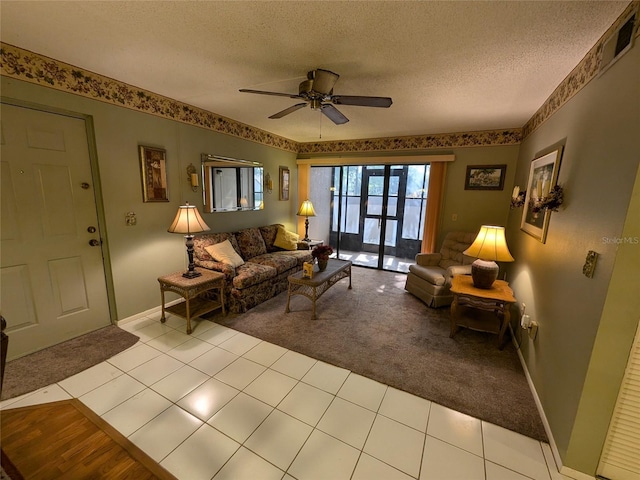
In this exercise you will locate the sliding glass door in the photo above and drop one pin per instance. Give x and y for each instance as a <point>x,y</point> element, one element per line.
<point>369,203</point>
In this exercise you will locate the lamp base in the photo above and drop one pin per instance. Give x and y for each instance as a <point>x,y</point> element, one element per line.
<point>306,230</point>
<point>191,274</point>
<point>484,273</point>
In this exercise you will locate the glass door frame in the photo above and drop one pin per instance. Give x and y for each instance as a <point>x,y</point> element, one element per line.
<point>350,197</point>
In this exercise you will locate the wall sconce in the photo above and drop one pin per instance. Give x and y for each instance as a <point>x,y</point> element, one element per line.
<point>517,197</point>
<point>268,183</point>
<point>542,200</point>
<point>192,177</point>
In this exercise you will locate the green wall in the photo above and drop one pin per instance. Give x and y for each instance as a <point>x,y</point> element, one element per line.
<point>140,254</point>
<point>474,208</point>
<point>599,129</point>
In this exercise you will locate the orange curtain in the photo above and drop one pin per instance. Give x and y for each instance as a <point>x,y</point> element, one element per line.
<point>304,180</point>
<point>434,204</point>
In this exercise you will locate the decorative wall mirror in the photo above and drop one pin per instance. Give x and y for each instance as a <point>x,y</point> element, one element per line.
<point>231,185</point>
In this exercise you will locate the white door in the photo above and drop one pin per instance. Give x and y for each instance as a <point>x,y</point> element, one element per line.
<point>52,284</point>
<point>620,458</point>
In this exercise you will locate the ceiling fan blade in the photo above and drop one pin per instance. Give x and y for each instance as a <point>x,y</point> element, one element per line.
<point>323,80</point>
<point>384,102</point>
<point>289,110</point>
<point>333,114</point>
<point>275,94</point>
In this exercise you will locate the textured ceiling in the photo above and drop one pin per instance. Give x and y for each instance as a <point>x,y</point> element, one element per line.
<point>449,66</point>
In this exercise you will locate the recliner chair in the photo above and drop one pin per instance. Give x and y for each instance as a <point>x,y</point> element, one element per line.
<point>429,278</point>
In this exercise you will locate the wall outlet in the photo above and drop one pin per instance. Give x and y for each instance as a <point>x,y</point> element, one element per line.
<point>533,330</point>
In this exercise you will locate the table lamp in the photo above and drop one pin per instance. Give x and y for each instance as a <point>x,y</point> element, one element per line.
<point>489,246</point>
<point>306,210</point>
<point>189,221</point>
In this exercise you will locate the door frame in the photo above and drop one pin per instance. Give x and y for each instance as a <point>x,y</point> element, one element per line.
<point>355,241</point>
<point>97,189</point>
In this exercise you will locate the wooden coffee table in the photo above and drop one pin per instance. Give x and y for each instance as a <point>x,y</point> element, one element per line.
<point>190,289</point>
<point>486,310</point>
<point>313,288</point>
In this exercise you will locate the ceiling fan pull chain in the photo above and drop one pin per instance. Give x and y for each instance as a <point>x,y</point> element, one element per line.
<point>320,125</point>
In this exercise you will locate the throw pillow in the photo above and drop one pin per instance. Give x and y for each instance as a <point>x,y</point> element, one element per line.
<point>250,242</point>
<point>225,253</point>
<point>286,240</point>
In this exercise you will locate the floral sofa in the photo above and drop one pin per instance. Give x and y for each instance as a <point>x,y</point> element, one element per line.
<point>265,270</point>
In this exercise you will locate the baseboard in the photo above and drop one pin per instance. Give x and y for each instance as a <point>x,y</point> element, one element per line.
<point>543,417</point>
<point>147,313</point>
<point>575,474</point>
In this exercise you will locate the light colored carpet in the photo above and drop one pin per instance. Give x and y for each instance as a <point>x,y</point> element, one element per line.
<point>381,331</point>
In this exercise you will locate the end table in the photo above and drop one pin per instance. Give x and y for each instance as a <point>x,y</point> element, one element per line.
<point>314,243</point>
<point>469,304</point>
<point>190,289</point>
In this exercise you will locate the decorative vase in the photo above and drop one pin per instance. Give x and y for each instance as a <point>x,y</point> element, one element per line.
<point>322,264</point>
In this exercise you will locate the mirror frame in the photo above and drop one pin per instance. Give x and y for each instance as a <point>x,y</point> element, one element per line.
<point>209,162</point>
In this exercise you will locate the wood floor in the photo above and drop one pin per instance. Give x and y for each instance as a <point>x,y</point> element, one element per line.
<point>66,440</point>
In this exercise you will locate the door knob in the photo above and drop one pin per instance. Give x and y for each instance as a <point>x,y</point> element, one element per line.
<point>91,229</point>
<point>94,243</point>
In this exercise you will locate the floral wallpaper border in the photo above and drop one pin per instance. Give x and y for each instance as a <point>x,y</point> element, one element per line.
<point>34,68</point>
<point>416,143</point>
<point>579,77</point>
<point>24,65</point>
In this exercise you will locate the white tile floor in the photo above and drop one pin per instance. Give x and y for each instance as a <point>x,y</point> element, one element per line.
<point>221,404</point>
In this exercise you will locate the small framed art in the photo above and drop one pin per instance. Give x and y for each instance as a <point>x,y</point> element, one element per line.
<point>485,177</point>
<point>153,162</point>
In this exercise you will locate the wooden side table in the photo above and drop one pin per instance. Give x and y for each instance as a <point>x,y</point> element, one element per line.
<point>486,310</point>
<point>190,289</point>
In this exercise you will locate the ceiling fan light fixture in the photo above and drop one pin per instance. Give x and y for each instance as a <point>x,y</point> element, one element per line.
<point>323,81</point>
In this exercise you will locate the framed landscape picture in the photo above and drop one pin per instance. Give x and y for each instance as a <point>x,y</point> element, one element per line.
<point>543,175</point>
<point>485,177</point>
<point>154,174</point>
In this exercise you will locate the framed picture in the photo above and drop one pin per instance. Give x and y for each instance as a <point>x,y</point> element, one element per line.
<point>284,183</point>
<point>543,175</point>
<point>485,177</point>
<point>154,174</point>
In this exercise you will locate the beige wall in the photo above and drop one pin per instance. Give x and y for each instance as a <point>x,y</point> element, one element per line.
<point>141,253</point>
<point>599,129</point>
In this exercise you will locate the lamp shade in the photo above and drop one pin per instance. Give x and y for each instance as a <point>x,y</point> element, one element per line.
<point>188,220</point>
<point>490,244</point>
<point>488,247</point>
<point>306,209</point>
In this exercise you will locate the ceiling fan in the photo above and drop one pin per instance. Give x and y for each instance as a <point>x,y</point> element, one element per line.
<point>317,91</point>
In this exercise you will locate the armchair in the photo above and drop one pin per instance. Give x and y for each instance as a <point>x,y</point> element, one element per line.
<point>429,278</point>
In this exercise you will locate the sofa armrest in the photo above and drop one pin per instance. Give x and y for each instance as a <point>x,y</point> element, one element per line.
<point>303,245</point>
<point>228,270</point>
<point>456,270</point>
<point>428,259</point>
